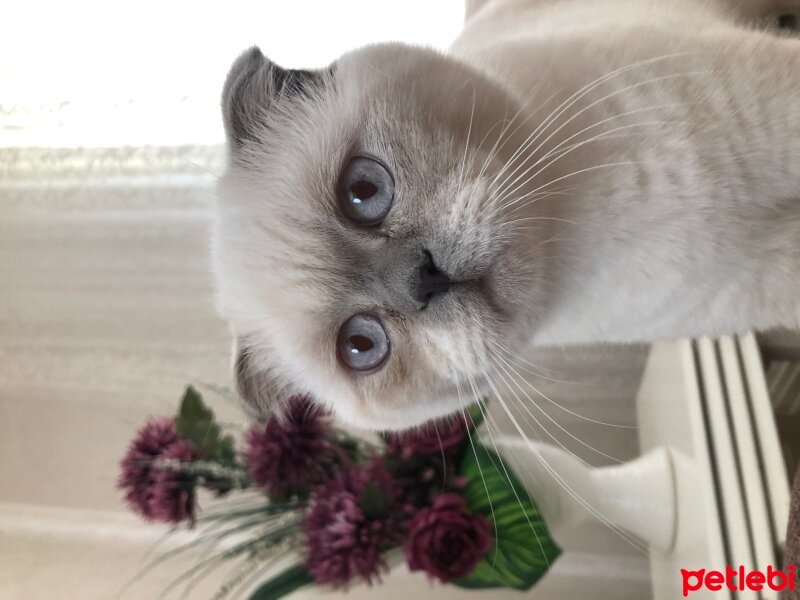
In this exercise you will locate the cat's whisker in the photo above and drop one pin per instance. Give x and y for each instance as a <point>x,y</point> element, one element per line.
<point>586,170</point>
<point>569,102</point>
<point>499,203</point>
<point>513,371</point>
<point>519,359</point>
<point>497,146</point>
<point>573,494</point>
<point>505,123</point>
<point>502,462</point>
<point>528,223</point>
<point>598,137</point>
<point>506,185</point>
<point>610,135</point>
<point>531,114</point>
<point>620,116</point>
<point>512,376</point>
<point>201,167</point>
<point>469,133</point>
<point>475,453</point>
<point>602,99</point>
<point>590,127</point>
<point>502,201</point>
<point>538,193</point>
<point>560,479</point>
<point>444,458</point>
<point>509,162</point>
<point>529,198</point>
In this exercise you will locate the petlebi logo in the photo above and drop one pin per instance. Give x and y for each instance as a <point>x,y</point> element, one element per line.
<point>739,579</point>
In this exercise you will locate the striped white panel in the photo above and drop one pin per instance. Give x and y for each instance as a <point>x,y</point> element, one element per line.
<point>725,451</point>
<point>759,526</point>
<point>764,422</point>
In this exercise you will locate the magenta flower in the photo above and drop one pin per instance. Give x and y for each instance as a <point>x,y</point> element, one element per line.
<point>288,454</point>
<point>138,471</point>
<point>349,524</point>
<point>434,439</point>
<point>174,497</point>
<point>446,540</point>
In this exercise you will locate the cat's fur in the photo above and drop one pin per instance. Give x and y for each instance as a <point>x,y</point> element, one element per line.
<point>615,171</point>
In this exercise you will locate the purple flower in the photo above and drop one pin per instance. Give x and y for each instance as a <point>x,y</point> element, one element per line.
<point>174,498</point>
<point>138,470</point>
<point>446,540</point>
<point>287,455</point>
<point>423,460</point>
<point>436,439</point>
<point>156,493</point>
<point>350,522</point>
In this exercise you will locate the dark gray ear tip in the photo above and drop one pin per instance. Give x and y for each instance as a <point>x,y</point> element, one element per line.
<point>254,83</point>
<point>235,95</point>
<point>252,57</point>
<point>247,63</point>
<point>254,52</point>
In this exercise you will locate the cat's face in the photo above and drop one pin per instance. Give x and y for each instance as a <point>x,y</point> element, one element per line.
<point>359,252</point>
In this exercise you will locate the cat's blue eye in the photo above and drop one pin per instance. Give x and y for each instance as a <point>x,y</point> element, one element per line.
<point>362,344</point>
<point>365,191</point>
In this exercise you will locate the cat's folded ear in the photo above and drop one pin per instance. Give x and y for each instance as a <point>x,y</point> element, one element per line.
<point>260,388</point>
<point>253,86</point>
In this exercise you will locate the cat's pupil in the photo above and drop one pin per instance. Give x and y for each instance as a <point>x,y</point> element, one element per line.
<point>363,190</point>
<point>788,21</point>
<point>360,343</point>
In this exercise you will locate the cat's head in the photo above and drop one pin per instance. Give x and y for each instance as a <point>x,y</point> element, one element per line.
<point>360,253</point>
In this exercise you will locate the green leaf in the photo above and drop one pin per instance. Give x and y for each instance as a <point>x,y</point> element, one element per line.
<point>350,447</point>
<point>227,451</point>
<point>283,584</point>
<point>476,412</point>
<point>523,550</point>
<point>373,502</point>
<point>195,422</point>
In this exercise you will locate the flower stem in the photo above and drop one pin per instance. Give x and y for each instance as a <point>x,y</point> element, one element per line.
<point>207,470</point>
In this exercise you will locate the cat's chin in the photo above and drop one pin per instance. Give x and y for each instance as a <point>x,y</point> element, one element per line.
<point>448,402</point>
<point>394,422</point>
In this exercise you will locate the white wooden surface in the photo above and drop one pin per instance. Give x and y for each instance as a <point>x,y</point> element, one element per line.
<point>706,399</point>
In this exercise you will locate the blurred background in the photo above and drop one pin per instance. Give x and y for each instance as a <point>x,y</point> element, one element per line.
<point>110,145</point>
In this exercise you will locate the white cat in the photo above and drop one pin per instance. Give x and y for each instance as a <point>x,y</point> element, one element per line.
<point>572,171</point>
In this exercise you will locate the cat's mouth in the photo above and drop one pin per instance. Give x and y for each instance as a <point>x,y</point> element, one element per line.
<point>487,286</point>
<point>482,290</point>
<point>492,285</point>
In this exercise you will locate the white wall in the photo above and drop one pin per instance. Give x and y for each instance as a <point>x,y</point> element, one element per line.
<point>99,73</point>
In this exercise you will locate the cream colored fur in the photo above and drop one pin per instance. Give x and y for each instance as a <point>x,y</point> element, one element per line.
<point>614,171</point>
<point>700,233</point>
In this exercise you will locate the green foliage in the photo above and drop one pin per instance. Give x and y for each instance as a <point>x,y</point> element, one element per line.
<point>476,412</point>
<point>283,584</point>
<point>349,446</point>
<point>523,550</point>
<point>195,422</point>
<point>373,502</point>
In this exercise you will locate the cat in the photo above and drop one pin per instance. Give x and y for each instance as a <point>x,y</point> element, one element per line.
<point>392,228</point>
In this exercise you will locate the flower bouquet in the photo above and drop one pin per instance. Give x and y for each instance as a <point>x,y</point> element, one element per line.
<point>345,507</point>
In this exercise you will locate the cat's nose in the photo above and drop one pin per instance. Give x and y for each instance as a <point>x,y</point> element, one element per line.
<point>430,281</point>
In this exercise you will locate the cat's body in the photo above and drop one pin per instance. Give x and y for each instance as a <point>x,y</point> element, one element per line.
<point>574,171</point>
<point>700,232</point>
